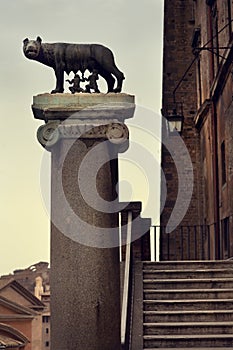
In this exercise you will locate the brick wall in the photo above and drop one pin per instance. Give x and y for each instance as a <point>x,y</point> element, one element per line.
<point>178,32</point>
<point>206,93</point>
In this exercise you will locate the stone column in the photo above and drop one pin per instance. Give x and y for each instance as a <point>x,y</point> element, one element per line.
<point>84,133</point>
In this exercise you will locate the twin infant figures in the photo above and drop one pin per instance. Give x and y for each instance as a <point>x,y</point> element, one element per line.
<point>76,81</point>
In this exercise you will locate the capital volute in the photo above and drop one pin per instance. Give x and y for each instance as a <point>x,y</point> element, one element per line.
<point>51,132</point>
<point>48,134</point>
<point>117,133</point>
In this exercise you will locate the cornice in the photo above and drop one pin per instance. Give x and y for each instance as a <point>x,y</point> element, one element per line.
<point>16,307</point>
<point>221,78</point>
<point>201,114</point>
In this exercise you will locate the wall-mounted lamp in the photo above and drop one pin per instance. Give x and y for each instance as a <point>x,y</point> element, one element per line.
<point>174,117</point>
<point>175,123</point>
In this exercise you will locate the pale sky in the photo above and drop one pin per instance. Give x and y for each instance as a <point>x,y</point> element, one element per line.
<point>133,31</point>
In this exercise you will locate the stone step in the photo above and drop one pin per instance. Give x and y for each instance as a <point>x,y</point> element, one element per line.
<point>183,283</point>
<point>188,328</point>
<point>186,273</point>
<point>169,305</point>
<point>199,348</point>
<point>188,304</point>
<point>186,316</point>
<point>181,294</point>
<point>188,340</point>
<point>188,264</point>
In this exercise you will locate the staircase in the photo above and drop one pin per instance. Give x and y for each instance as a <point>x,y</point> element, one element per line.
<point>188,305</point>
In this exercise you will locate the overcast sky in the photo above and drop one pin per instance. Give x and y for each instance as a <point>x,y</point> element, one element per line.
<point>133,30</point>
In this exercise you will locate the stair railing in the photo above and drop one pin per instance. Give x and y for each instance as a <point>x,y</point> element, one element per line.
<point>127,288</point>
<point>191,242</point>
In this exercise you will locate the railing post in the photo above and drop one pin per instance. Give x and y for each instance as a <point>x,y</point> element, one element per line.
<point>168,246</point>
<point>202,245</point>
<point>188,244</point>
<point>208,238</point>
<point>228,242</point>
<point>174,245</point>
<point>195,242</point>
<point>161,243</point>
<point>182,242</point>
<point>155,242</point>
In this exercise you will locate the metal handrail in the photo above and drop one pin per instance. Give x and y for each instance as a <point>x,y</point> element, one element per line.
<point>125,299</point>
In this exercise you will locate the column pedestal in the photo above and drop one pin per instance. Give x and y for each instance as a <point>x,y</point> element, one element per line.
<point>84,133</point>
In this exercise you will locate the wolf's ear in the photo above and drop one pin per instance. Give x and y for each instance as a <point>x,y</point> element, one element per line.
<point>25,41</point>
<point>39,39</point>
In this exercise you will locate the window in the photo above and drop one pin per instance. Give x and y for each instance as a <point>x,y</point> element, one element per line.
<point>213,25</point>
<point>210,2</point>
<point>196,42</point>
<point>215,35</point>
<point>47,331</point>
<point>223,161</point>
<point>199,82</point>
<point>45,319</point>
<point>229,18</point>
<point>226,236</point>
<point>47,343</point>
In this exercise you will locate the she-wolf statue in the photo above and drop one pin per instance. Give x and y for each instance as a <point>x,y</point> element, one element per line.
<point>64,57</point>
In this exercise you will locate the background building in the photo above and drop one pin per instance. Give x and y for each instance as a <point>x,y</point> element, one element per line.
<point>197,72</point>
<point>25,308</point>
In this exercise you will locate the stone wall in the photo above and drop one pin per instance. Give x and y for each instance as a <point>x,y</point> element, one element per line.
<point>179,83</point>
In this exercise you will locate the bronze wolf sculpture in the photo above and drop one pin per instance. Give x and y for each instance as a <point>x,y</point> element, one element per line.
<point>63,57</point>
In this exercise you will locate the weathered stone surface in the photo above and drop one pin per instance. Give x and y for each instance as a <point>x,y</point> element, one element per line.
<point>85,278</point>
<point>83,106</point>
<point>183,304</point>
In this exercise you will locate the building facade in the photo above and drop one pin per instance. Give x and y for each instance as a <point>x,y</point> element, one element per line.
<point>21,311</point>
<point>27,291</point>
<point>197,69</point>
